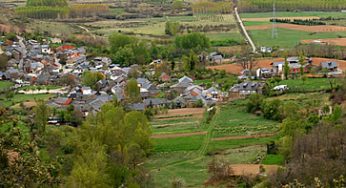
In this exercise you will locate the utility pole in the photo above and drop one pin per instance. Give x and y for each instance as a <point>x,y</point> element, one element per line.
<point>274,28</point>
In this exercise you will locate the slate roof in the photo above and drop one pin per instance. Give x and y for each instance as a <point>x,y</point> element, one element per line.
<point>329,65</point>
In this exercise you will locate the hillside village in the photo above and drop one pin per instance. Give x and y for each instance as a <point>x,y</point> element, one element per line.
<point>174,93</point>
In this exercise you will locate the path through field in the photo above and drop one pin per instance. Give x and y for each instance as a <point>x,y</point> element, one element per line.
<point>332,41</point>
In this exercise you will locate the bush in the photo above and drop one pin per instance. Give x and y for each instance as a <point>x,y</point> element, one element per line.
<point>271,109</point>
<point>254,103</point>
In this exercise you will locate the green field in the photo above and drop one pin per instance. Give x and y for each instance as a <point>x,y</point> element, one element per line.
<point>288,38</point>
<point>233,120</point>
<point>188,157</point>
<point>5,85</point>
<point>310,85</point>
<point>155,27</point>
<point>293,14</point>
<point>18,98</point>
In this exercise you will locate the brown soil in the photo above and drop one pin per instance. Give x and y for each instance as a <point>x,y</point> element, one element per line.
<point>176,135</point>
<point>331,41</point>
<point>229,68</point>
<point>268,19</point>
<point>243,137</point>
<point>252,169</point>
<point>319,28</point>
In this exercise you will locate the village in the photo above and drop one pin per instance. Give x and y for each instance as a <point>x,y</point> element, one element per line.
<point>36,64</point>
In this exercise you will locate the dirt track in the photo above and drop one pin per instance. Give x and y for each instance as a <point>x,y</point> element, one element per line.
<point>176,135</point>
<point>243,137</point>
<point>331,41</point>
<point>319,28</point>
<point>252,169</point>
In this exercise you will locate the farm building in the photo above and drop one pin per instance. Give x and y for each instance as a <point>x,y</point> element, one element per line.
<point>245,89</point>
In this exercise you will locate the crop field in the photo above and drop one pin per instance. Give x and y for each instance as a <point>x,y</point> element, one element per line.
<point>288,38</point>
<point>310,84</point>
<point>290,35</point>
<point>186,140</point>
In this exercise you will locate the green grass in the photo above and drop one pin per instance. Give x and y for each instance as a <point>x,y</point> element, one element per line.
<point>34,87</point>
<point>272,159</point>
<point>255,23</point>
<point>192,168</point>
<point>5,85</point>
<point>18,98</point>
<point>292,14</point>
<point>185,127</point>
<point>229,144</point>
<point>236,36</point>
<point>233,120</point>
<point>178,144</point>
<point>310,85</point>
<point>288,38</point>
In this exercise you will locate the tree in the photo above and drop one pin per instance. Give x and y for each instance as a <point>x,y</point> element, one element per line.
<point>132,91</point>
<point>172,28</point>
<point>3,62</point>
<point>122,142</point>
<point>286,69</point>
<point>254,103</point>
<point>246,58</point>
<point>192,41</point>
<point>125,56</point>
<point>118,41</point>
<point>190,61</point>
<point>20,165</point>
<point>91,78</point>
<point>41,115</point>
<point>302,65</point>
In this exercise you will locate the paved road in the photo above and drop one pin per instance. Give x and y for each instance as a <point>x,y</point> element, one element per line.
<point>248,38</point>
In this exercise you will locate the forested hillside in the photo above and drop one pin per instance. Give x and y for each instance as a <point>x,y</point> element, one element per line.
<point>290,5</point>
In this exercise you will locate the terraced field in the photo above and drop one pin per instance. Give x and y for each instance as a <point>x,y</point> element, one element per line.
<point>184,143</point>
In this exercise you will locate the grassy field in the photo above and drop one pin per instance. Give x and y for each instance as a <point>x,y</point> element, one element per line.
<point>310,85</point>
<point>155,27</point>
<point>233,120</point>
<point>5,85</point>
<point>292,14</point>
<point>187,157</point>
<point>288,38</point>
<point>18,98</point>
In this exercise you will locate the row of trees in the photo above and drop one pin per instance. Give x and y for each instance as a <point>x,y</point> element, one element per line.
<point>52,9</point>
<point>292,5</point>
<point>210,7</point>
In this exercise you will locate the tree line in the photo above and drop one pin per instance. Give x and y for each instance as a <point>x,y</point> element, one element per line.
<point>52,9</point>
<point>290,5</point>
<point>211,7</point>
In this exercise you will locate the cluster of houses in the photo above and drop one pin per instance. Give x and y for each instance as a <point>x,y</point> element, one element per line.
<point>328,68</point>
<point>34,63</point>
<point>31,62</point>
